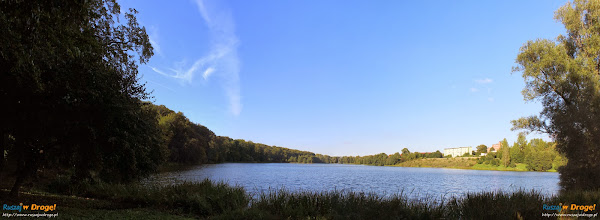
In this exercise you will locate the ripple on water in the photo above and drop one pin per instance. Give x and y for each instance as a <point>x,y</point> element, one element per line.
<point>416,183</point>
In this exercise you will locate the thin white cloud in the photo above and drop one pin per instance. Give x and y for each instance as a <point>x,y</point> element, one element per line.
<point>208,72</point>
<point>491,99</point>
<point>153,35</point>
<point>484,81</point>
<point>203,11</point>
<point>161,85</point>
<point>222,60</point>
<point>178,74</point>
<point>474,90</point>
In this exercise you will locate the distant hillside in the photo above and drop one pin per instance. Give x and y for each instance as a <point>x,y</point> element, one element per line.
<point>185,142</point>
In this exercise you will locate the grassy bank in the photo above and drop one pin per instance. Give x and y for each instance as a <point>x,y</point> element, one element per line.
<point>518,167</point>
<point>220,201</point>
<point>456,162</point>
<point>461,163</point>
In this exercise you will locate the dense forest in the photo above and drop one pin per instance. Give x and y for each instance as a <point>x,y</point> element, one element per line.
<point>186,142</point>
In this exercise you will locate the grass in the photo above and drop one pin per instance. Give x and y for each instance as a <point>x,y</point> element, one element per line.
<point>461,163</point>
<point>205,198</point>
<point>339,205</point>
<point>519,167</point>
<point>458,163</point>
<point>211,200</point>
<point>135,200</point>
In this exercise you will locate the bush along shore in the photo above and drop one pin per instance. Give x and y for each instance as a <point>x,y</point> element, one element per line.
<point>211,200</point>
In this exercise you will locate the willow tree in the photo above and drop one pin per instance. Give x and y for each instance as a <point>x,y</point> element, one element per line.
<point>70,92</point>
<point>564,75</point>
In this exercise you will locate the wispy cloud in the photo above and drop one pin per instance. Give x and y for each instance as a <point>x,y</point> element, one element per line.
<point>208,72</point>
<point>222,60</point>
<point>490,99</point>
<point>484,81</point>
<point>161,85</point>
<point>474,90</point>
<point>153,35</point>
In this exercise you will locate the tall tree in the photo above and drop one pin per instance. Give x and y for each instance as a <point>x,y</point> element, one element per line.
<point>481,149</point>
<point>517,152</point>
<point>505,153</point>
<point>69,85</point>
<point>565,76</point>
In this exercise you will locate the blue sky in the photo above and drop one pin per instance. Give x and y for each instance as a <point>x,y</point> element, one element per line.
<point>345,77</point>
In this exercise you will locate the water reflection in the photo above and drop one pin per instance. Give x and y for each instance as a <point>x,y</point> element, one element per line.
<point>384,181</point>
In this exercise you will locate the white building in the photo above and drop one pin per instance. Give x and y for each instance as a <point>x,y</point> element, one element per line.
<point>458,151</point>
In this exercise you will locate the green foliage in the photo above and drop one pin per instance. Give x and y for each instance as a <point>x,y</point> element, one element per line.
<point>505,149</point>
<point>384,159</point>
<point>541,156</point>
<point>565,76</point>
<point>350,205</point>
<point>495,162</point>
<point>519,149</point>
<point>538,155</point>
<point>559,161</point>
<point>481,149</point>
<point>457,163</point>
<point>187,142</point>
<point>488,159</point>
<point>338,205</point>
<point>539,161</point>
<point>69,85</point>
<point>204,198</point>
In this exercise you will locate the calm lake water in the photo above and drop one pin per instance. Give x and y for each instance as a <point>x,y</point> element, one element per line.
<point>383,181</point>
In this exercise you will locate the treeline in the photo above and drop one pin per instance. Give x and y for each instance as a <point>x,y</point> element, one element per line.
<point>185,142</point>
<point>383,159</point>
<point>537,155</point>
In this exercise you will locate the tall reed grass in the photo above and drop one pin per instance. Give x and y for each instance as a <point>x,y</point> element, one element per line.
<point>208,199</point>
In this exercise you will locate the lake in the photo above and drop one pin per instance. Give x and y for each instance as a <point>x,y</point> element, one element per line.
<point>383,181</point>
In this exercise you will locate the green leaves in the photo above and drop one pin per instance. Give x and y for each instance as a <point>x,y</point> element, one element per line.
<point>70,86</point>
<point>528,124</point>
<point>565,76</point>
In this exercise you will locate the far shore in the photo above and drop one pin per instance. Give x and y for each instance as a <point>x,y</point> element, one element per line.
<point>464,163</point>
<point>467,163</point>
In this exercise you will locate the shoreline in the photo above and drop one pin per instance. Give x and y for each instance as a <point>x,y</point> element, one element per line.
<point>519,168</point>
